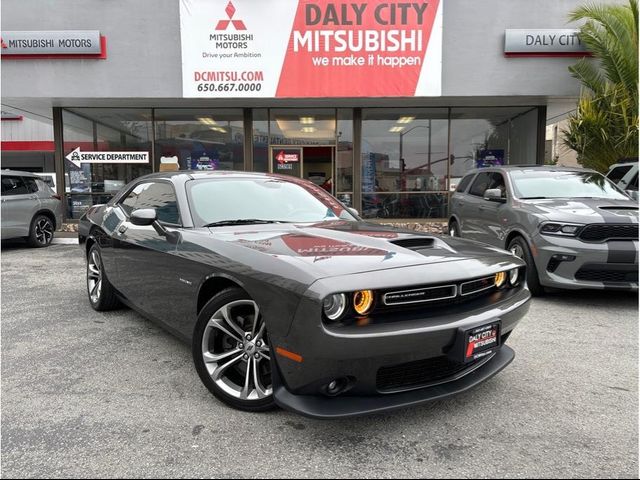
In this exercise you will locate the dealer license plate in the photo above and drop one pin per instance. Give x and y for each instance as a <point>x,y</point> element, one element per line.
<point>480,342</point>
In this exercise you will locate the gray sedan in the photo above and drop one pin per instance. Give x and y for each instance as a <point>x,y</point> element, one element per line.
<point>572,226</point>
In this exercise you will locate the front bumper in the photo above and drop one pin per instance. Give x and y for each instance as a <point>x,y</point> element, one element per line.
<point>359,352</point>
<point>606,265</point>
<point>323,407</point>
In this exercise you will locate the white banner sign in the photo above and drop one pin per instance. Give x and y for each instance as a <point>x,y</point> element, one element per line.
<point>311,48</point>
<point>77,157</point>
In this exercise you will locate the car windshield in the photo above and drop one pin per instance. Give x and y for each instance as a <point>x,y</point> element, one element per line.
<point>530,184</point>
<point>261,200</point>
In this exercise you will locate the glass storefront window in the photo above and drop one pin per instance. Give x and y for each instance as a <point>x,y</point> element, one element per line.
<point>492,136</point>
<point>404,151</point>
<point>260,140</point>
<point>303,126</point>
<point>344,157</point>
<point>102,129</point>
<point>190,139</point>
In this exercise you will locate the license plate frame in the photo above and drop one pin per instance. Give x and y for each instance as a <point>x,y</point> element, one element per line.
<point>475,343</point>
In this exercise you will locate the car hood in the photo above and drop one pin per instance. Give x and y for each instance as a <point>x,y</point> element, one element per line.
<point>341,248</point>
<point>584,210</point>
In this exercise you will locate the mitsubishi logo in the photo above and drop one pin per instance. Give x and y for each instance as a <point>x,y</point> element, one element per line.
<point>224,24</point>
<point>4,45</point>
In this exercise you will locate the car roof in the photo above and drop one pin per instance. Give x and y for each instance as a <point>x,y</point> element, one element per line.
<point>6,171</point>
<point>524,168</point>
<point>200,174</point>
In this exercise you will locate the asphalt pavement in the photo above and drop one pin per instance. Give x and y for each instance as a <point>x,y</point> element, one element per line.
<point>89,394</point>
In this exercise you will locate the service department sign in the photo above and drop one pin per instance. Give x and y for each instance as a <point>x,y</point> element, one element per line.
<point>54,43</point>
<point>544,42</point>
<point>311,48</point>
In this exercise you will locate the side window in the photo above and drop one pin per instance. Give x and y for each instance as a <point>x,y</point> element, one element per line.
<point>462,186</point>
<point>158,195</point>
<point>32,186</point>
<point>617,173</point>
<point>497,181</point>
<point>13,186</point>
<point>481,183</point>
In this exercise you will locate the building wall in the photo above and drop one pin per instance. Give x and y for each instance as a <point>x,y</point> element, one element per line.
<point>144,57</point>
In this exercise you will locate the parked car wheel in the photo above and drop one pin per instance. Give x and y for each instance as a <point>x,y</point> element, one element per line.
<point>102,295</point>
<point>519,247</point>
<point>231,351</point>
<point>40,232</point>
<point>454,229</point>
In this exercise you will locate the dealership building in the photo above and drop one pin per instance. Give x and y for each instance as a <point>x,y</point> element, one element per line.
<point>385,104</point>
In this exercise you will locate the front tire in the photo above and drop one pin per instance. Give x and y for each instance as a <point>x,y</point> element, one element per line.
<point>102,295</point>
<point>40,232</point>
<point>519,247</point>
<point>231,352</point>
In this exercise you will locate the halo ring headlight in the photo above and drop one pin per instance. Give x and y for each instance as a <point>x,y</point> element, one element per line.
<point>334,306</point>
<point>362,301</point>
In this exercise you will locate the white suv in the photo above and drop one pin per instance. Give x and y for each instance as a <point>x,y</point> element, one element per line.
<point>625,175</point>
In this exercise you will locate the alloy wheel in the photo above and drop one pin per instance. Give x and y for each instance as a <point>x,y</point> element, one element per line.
<point>94,277</point>
<point>44,231</point>
<point>235,351</point>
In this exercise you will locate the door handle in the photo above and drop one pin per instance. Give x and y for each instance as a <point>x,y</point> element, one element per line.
<point>33,197</point>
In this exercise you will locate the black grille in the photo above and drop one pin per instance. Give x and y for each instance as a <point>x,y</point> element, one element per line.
<point>427,294</point>
<point>553,264</point>
<point>478,285</point>
<point>415,374</point>
<point>598,275</point>
<point>603,232</point>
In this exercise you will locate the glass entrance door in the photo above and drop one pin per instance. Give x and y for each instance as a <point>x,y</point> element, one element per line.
<point>313,163</point>
<point>286,160</point>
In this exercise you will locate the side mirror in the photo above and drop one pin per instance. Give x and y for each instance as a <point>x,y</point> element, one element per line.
<point>632,193</point>
<point>494,195</point>
<point>144,216</point>
<point>354,211</point>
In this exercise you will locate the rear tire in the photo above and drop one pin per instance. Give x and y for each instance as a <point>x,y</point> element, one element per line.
<point>231,352</point>
<point>519,247</point>
<point>454,229</point>
<point>40,232</point>
<point>102,295</point>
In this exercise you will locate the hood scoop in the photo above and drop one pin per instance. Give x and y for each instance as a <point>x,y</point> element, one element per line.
<point>418,243</point>
<point>616,207</point>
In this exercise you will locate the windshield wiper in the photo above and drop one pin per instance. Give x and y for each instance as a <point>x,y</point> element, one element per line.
<point>239,221</point>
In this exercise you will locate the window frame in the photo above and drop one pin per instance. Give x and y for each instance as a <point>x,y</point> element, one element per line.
<point>123,197</point>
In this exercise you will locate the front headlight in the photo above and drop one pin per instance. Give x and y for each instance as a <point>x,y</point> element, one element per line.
<point>563,229</point>
<point>500,279</point>
<point>334,306</point>
<point>362,301</point>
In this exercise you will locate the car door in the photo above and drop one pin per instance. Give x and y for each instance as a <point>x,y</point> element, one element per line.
<point>145,260</point>
<point>18,206</point>
<point>491,214</point>
<point>473,226</point>
<point>459,201</point>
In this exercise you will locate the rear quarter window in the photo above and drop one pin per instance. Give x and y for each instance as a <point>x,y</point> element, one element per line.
<point>464,183</point>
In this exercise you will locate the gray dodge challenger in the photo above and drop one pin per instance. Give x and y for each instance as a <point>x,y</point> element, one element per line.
<point>572,226</point>
<point>288,298</point>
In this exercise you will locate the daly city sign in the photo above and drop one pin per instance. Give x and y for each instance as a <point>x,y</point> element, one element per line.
<point>77,157</point>
<point>544,42</point>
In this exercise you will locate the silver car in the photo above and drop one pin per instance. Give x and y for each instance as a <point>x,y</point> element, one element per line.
<point>572,226</point>
<point>30,208</point>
